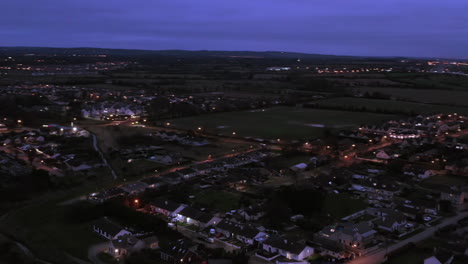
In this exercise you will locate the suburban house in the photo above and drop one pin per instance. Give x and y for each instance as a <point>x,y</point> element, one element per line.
<point>391,221</point>
<point>127,244</point>
<point>166,207</point>
<point>162,159</point>
<point>194,141</point>
<point>409,211</point>
<point>196,217</point>
<point>387,154</point>
<point>439,259</point>
<point>109,229</point>
<point>171,177</point>
<point>252,213</point>
<point>458,168</point>
<point>181,251</point>
<point>188,173</point>
<point>136,187</point>
<point>353,236</point>
<point>154,182</point>
<point>418,172</point>
<point>291,250</point>
<point>375,188</point>
<point>299,167</point>
<point>244,233</point>
<point>456,195</point>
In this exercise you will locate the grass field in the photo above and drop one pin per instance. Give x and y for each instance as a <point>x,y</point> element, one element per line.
<point>278,122</point>
<point>44,228</point>
<point>342,205</point>
<point>419,95</point>
<point>415,255</point>
<point>432,80</point>
<point>218,200</point>
<point>391,106</point>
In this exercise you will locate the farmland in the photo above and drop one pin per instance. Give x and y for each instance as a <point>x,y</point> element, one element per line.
<point>388,106</point>
<point>278,122</point>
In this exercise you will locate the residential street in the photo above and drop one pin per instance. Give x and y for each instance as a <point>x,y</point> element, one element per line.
<point>379,256</point>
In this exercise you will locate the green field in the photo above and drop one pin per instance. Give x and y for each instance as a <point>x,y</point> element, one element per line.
<point>390,106</point>
<point>278,122</point>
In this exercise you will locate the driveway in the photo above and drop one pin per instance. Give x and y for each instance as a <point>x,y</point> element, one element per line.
<point>94,250</point>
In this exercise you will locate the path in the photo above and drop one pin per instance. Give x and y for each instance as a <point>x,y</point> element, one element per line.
<point>104,160</point>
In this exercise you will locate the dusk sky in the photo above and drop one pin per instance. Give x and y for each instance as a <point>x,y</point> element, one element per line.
<point>436,28</point>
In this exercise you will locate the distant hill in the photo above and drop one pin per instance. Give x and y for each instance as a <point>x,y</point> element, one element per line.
<point>174,53</point>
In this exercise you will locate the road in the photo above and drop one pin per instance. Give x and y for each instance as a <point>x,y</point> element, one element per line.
<point>379,256</point>
<point>227,139</point>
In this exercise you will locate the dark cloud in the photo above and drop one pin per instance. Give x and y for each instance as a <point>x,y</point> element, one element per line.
<point>358,27</point>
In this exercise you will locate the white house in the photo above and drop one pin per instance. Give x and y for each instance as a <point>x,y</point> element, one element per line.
<point>289,249</point>
<point>166,207</point>
<point>196,217</point>
<point>109,229</point>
